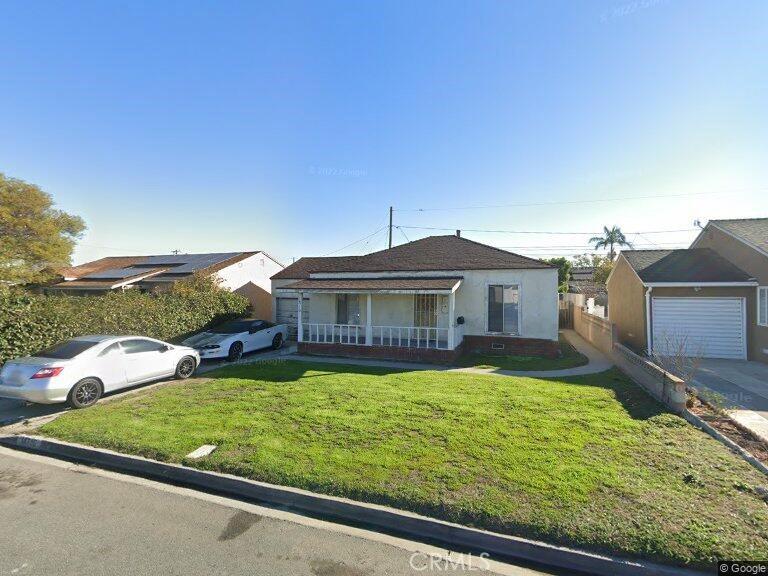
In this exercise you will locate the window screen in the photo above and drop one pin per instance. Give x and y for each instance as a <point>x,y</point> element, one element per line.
<point>762,305</point>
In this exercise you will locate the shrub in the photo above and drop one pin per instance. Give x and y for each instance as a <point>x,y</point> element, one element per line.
<point>31,322</point>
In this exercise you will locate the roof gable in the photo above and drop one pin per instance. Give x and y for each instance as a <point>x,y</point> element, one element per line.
<point>752,231</point>
<point>433,253</point>
<point>687,265</point>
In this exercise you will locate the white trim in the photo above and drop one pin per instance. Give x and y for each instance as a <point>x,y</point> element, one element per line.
<point>519,309</point>
<point>732,235</point>
<point>363,291</point>
<point>743,313</point>
<point>648,322</point>
<point>698,284</point>
<point>759,288</point>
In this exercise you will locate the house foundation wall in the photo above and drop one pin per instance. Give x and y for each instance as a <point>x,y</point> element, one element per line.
<point>403,354</point>
<point>508,345</point>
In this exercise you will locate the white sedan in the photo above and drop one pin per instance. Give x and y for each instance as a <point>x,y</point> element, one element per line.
<point>80,370</point>
<point>232,339</point>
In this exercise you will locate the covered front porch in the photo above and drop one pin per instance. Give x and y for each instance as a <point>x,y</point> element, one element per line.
<point>392,313</point>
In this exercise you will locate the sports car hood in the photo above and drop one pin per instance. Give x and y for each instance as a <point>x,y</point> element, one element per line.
<point>205,338</point>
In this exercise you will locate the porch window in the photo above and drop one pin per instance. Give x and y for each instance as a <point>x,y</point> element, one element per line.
<point>425,310</point>
<point>347,309</point>
<point>504,308</point>
<point>762,305</point>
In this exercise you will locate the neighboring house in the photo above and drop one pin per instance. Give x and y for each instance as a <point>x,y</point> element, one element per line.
<point>695,302</point>
<point>745,243</point>
<point>426,300</point>
<point>246,273</point>
<point>582,281</point>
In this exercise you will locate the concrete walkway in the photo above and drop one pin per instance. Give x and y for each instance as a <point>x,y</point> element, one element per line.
<point>598,362</point>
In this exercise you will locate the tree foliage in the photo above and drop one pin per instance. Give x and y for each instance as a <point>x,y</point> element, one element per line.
<point>34,236</point>
<point>563,271</point>
<point>602,265</point>
<point>610,239</point>
<point>32,322</point>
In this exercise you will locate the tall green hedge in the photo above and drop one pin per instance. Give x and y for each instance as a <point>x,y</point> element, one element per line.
<point>31,322</point>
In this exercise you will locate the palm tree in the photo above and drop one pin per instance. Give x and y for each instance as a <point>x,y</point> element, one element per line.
<point>609,239</point>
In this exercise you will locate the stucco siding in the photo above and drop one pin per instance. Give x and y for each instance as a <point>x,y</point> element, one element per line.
<point>538,300</point>
<point>250,277</point>
<point>756,265</point>
<point>626,306</point>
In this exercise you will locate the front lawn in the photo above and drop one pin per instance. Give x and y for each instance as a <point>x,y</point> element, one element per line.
<point>569,358</point>
<point>590,461</point>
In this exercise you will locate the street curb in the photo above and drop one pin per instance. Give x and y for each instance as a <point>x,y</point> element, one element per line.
<point>717,435</point>
<point>455,536</point>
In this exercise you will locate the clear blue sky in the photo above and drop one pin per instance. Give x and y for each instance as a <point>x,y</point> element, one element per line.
<point>292,126</point>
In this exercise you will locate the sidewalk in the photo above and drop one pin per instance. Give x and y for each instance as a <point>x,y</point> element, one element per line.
<point>598,362</point>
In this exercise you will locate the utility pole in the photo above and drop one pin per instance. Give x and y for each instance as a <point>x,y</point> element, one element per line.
<point>390,226</point>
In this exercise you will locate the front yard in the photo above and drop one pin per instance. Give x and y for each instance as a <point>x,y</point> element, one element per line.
<point>589,461</point>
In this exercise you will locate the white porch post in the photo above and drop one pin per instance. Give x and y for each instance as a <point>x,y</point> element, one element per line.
<point>451,319</point>
<point>300,307</point>
<point>368,321</point>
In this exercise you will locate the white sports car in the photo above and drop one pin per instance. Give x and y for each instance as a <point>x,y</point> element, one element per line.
<point>80,370</point>
<point>232,339</point>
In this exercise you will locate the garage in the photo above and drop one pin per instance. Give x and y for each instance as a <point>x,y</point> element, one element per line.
<point>287,312</point>
<point>705,327</point>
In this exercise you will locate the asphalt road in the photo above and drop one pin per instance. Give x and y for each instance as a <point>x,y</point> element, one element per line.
<point>62,518</point>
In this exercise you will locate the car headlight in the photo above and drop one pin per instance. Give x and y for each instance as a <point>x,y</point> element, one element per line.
<point>210,347</point>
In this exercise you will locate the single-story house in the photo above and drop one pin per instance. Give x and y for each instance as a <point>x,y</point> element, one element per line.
<point>425,300</point>
<point>693,302</point>
<point>582,281</point>
<point>245,273</point>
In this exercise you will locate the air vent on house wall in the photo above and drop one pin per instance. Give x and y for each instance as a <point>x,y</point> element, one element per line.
<point>497,346</point>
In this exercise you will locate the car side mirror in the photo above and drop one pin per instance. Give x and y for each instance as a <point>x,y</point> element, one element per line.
<point>165,348</point>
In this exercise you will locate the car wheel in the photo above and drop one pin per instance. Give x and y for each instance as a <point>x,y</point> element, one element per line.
<point>277,341</point>
<point>235,352</point>
<point>185,368</point>
<point>85,393</point>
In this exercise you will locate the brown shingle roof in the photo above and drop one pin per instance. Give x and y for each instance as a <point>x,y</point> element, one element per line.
<point>691,265</point>
<point>428,254</point>
<point>100,265</point>
<point>441,283</point>
<point>752,230</point>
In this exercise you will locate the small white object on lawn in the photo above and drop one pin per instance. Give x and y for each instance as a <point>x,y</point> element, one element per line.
<point>201,452</point>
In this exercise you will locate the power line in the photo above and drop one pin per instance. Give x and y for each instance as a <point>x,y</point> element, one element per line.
<point>583,201</point>
<point>357,241</point>
<point>539,231</point>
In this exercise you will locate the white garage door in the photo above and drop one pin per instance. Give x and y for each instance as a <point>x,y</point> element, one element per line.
<point>703,327</point>
<point>287,312</point>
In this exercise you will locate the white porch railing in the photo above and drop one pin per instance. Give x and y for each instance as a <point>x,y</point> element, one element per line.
<point>403,336</point>
<point>336,333</point>
<point>410,336</point>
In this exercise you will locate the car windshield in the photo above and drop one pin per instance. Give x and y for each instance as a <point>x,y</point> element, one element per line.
<point>67,350</point>
<point>232,327</point>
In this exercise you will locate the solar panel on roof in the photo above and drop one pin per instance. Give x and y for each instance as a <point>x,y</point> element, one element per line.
<point>113,274</point>
<point>187,263</point>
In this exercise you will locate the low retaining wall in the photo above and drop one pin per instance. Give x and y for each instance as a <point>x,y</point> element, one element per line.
<point>505,345</point>
<point>665,387</point>
<point>400,353</point>
<point>659,383</point>
<point>597,331</point>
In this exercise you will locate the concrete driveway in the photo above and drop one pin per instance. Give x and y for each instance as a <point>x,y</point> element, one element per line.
<point>743,387</point>
<point>743,384</point>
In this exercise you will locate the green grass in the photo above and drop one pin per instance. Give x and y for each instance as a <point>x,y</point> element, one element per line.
<point>590,461</point>
<point>569,358</point>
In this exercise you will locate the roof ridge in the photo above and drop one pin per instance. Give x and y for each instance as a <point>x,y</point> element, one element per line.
<point>504,251</point>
